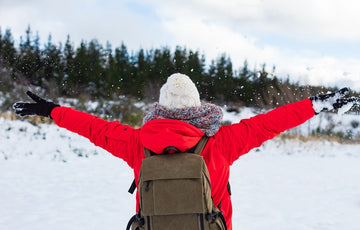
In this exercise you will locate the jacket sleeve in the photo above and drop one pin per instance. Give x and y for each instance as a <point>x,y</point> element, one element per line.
<point>238,139</point>
<point>116,138</point>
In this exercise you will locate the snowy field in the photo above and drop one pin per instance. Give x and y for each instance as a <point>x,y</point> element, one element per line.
<point>53,179</point>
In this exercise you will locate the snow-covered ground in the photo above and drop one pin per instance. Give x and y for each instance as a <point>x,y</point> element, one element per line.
<point>53,179</point>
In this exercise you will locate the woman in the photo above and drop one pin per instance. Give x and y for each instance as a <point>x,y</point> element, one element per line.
<point>180,120</point>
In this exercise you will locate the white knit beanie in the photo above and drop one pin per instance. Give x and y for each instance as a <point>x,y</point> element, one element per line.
<point>179,92</point>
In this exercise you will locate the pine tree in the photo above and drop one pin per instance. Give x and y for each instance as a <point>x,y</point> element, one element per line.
<point>8,52</point>
<point>79,78</point>
<point>195,69</point>
<point>224,79</point>
<point>96,63</point>
<point>209,90</point>
<point>261,82</point>
<point>141,73</point>
<point>69,67</point>
<point>244,86</point>
<point>180,60</point>
<point>162,65</point>
<point>122,77</point>
<point>52,69</point>
<point>1,44</point>
<point>29,61</point>
<point>110,85</point>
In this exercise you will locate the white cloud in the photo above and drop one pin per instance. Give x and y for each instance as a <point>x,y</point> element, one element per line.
<point>233,27</point>
<point>313,20</point>
<point>310,69</point>
<point>82,20</point>
<point>237,28</point>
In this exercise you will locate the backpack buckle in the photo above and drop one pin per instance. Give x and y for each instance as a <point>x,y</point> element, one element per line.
<point>171,149</point>
<point>136,218</point>
<point>212,216</point>
<point>139,219</point>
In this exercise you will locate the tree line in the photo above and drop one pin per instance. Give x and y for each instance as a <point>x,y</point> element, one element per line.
<point>103,72</point>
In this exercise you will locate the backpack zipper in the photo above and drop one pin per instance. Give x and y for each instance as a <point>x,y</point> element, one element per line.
<point>147,186</point>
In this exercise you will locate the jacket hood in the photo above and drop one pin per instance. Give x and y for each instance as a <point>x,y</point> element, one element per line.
<point>158,134</point>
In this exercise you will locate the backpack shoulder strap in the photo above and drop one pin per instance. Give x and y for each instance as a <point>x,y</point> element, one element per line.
<point>147,152</point>
<point>201,144</point>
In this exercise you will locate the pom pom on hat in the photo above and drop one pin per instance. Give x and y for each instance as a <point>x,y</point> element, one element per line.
<point>179,92</point>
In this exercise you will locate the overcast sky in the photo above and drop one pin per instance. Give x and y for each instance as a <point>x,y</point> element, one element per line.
<point>313,41</point>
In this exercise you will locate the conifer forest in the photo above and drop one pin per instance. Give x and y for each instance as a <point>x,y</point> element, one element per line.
<point>98,71</point>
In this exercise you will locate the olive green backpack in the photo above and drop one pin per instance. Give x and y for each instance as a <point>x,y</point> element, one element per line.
<point>175,193</point>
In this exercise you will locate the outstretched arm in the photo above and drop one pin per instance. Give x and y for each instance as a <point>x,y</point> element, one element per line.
<point>250,133</point>
<point>118,139</point>
<point>114,137</point>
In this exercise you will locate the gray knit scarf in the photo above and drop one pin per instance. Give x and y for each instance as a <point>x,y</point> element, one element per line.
<point>207,117</point>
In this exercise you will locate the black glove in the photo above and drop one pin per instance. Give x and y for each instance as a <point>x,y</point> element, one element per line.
<point>41,107</point>
<point>335,100</point>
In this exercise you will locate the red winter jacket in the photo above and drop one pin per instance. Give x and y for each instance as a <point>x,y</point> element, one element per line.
<point>222,149</point>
